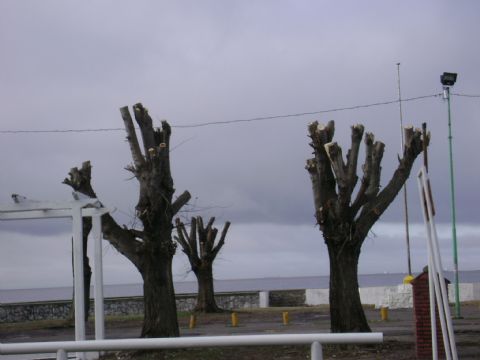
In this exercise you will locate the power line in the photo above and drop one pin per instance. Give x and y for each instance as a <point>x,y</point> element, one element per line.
<point>465,95</point>
<point>227,122</point>
<point>59,131</point>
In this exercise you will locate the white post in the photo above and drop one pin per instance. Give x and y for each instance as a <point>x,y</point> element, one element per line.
<point>62,355</point>
<point>79,290</point>
<point>436,277</point>
<point>263,299</point>
<point>316,351</point>
<point>98,276</point>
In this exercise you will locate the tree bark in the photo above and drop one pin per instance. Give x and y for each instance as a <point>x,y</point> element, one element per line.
<point>346,311</point>
<point>206,294</point>
<point>160,309</point>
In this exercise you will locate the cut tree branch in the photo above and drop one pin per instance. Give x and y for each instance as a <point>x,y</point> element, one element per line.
<point>124,240</point>
<point>145,123</point>
<point>352,156</point>
<point>180,202</point>
<point>132,139</point>
<point>320,136</point>
<point>221,242</point>
<point>371,213</point>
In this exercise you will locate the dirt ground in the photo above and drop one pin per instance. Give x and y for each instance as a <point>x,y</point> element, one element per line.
<point>398,330</point>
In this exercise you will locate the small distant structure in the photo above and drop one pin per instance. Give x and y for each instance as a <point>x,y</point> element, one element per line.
<point>79,207</point>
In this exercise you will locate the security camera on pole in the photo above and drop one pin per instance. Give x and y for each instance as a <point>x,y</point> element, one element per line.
<point>448,80</point>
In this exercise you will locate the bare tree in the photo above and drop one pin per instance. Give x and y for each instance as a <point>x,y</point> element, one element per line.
<point>201,253</point>
<point>345,221</point>
<point>151,248</point>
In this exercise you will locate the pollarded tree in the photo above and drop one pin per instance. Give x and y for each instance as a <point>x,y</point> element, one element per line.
<point>150,248</point>
<point>201,252</point>
<point>346,220</point>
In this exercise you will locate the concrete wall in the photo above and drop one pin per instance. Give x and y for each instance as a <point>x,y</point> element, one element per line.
<point>393,297</point>
<point>468,292</point>
<point>280,298</point>
<point>389,296</point>
<point>59,310</point>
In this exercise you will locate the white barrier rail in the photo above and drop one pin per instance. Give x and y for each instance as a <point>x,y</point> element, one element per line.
<point>62,348</point>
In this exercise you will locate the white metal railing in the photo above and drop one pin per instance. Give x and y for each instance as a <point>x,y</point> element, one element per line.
<point>436,282</point>
<point>62,348</point>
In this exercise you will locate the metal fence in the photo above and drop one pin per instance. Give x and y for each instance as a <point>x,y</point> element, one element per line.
<point>62,348</point>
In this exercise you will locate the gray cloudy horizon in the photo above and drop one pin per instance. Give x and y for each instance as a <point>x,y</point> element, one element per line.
<point>73,65</point>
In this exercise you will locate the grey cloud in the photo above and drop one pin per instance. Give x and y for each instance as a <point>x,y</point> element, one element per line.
<point>70,66</point>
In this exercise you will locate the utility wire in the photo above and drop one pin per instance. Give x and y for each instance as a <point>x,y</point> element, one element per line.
<point>465,95</point>
<point>226,122</point>
<point>262,118</point>
<point>58,131</point>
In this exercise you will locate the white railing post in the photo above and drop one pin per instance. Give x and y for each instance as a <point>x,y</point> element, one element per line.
<point>79,287</point>
<point>316,351</point>
<point>98,277</point>
<point>315,340</point>
<point>62,355</point>
<point>436,277</point>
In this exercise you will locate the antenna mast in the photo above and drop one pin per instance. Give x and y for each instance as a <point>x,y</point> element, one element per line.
<point>407,233</point>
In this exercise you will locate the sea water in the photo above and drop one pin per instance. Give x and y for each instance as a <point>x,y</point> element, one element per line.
<point>185,287</point>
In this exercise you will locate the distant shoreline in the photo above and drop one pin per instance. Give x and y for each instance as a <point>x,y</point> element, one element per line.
<point>232,285</point>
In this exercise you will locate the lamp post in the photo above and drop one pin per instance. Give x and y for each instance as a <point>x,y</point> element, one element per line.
<point>448,80</point>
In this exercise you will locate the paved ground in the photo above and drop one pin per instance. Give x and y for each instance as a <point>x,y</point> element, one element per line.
<point>398,330</point>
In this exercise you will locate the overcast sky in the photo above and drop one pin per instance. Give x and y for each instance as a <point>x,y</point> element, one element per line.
<point>72,65</point>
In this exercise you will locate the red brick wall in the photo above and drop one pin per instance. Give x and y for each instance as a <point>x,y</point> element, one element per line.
<point>421,310</point>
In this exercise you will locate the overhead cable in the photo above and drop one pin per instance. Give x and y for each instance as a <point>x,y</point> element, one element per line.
<point>227,122</point>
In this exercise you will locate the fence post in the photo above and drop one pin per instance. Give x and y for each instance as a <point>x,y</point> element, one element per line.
<point>316,351</point>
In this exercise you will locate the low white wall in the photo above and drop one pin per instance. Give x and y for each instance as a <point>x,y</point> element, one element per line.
<point>316,297</point>
<point>468,292</point>
<point>393,297</point>
<point>264,299</point>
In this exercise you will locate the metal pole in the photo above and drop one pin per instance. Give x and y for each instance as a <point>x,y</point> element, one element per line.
<point>79,290</point>
<point>405,203</point>
<point>452,191</point>
<point>98,275</point>
<point>62,355</point>
<point>316,351</point>
<point>190,341</point>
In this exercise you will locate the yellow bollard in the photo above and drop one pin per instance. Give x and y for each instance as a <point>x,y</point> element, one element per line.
<point>285,317</point>
<point>193,321</point>
<point>408,279</point>
<point>384,313</point>
<point>234,319</point>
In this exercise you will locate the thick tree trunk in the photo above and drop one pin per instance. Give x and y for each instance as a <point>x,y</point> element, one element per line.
<point>206,294</point>
<point>346,310</point>
<point>160,319</point>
